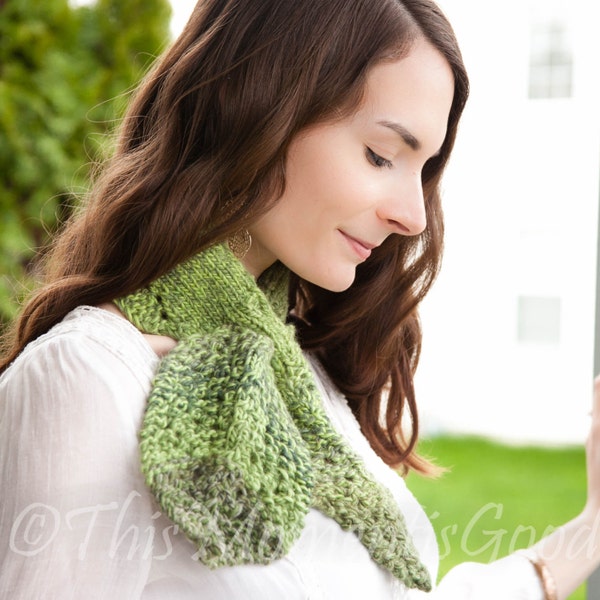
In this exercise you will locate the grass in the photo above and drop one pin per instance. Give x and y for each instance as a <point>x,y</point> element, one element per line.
<point>497,498</point>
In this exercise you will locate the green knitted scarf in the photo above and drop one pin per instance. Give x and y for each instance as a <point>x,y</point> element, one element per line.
<point>235,443</point>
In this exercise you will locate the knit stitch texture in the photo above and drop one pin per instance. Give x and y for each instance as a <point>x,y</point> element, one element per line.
<point>235,443</point>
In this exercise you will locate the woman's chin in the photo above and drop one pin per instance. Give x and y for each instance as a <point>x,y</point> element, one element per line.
<point>339,283</point>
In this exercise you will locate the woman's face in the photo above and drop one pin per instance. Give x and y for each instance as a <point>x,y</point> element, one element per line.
<point>352,183</point>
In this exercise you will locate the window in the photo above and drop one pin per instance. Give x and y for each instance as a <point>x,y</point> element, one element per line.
<point>551,59</point>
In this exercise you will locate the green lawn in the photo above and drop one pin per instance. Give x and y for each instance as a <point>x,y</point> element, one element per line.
<point>495,498</point>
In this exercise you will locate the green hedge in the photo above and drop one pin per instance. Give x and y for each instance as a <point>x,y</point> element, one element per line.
<point>64,76</point>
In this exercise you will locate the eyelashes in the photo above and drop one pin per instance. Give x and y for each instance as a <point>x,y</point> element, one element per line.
<point>376,160</point>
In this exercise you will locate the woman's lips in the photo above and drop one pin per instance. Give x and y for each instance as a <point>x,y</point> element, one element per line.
<point>360,247</point>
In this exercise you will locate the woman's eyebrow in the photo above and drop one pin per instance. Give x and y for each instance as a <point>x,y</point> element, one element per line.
<point>409,139</point>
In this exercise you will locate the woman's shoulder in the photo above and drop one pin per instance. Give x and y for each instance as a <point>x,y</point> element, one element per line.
<point>89,376</point>
<point>161,345</point>
<point>93,337</point>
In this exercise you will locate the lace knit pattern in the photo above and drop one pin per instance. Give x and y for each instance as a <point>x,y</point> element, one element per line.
<point>235,443</point>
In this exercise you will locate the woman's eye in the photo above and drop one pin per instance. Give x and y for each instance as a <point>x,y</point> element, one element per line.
<point>376,160</point>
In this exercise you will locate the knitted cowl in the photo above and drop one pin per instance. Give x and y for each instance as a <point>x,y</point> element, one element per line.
<point>235,443</point>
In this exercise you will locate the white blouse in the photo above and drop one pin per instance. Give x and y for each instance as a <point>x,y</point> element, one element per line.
<point>77,520</point>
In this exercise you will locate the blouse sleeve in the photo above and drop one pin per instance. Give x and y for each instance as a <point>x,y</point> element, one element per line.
<point>511,577</point>
<point>75,521</point>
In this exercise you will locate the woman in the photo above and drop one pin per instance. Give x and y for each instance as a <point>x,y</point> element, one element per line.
<point>193,403</point>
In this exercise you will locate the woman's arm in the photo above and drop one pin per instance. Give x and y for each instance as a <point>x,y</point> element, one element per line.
<point>572,552</point>
<point>75,515</point>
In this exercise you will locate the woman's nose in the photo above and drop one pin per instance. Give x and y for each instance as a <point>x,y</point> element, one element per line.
<point>404,208</point>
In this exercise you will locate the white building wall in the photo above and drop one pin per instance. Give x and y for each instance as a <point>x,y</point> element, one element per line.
<point>521,199</point>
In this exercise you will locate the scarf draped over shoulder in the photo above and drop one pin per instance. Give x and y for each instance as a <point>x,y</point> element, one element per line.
<point>235,443</point>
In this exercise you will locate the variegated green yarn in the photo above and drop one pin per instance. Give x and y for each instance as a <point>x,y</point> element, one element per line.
<point>235,443</point>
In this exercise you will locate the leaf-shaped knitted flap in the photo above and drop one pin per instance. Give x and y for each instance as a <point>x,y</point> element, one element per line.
<point>221,453</point>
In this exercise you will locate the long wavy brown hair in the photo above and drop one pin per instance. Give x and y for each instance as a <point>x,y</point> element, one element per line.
<point>201,153</point>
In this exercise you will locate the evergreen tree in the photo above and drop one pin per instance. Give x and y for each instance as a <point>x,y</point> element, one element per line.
<point>64,77</point>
